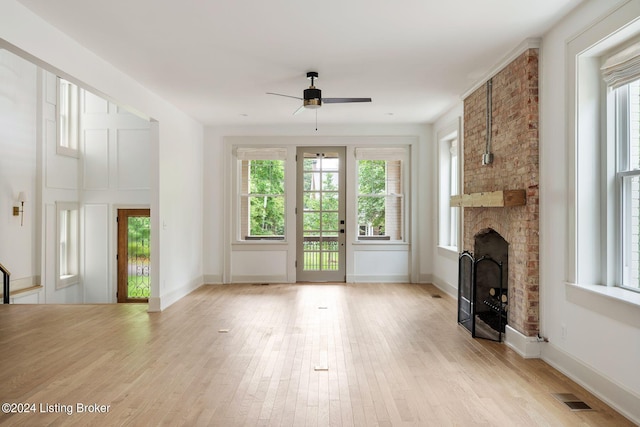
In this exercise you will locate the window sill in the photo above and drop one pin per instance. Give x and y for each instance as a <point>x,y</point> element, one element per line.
<point>67,152</point>
<point>610,301</point>
<point>263,239</point>
<point>374,239</point>
<point>65,281</point>
<point>449,251</point>
<point>264,244</point>
<point>382,245</point>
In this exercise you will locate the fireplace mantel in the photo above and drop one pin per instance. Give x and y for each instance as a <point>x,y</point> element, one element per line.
<point>491,199</point>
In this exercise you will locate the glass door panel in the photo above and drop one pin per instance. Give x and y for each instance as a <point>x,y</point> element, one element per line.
<point>321,224</point>
<point>133,255</point>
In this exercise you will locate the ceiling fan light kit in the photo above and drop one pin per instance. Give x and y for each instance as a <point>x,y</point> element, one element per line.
<point>312,96</point>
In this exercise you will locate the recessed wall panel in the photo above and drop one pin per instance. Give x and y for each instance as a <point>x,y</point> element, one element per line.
<point>96,256</point>
<point>96,159</point>
<point>94,104</point>
<point>133,162</point>
<point>61,171</point>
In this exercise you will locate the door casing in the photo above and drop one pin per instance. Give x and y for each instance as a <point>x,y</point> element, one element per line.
<point>326,235</point>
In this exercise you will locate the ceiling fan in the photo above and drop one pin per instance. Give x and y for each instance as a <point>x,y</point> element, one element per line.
<point>312,97</point>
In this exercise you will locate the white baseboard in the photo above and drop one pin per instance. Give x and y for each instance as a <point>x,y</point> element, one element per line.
<point>527,347</point>
<point>366,278</point>
<point>425,278</point>
<point>212,279</point>
<point>163,301</point>
<point>259,279</point>
<point>613,394</point>
<point>445,287</point>
<point>155,305</point>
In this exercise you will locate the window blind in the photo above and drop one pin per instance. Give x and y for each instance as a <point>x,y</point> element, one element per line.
<point>382,153</point>
<point>271,153</point>
<point>622,67</point>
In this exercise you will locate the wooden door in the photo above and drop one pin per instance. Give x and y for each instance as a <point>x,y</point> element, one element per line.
<point>134,256</point>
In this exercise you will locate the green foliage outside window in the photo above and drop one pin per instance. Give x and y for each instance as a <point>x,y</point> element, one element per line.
<point>266,198</point>
<point>371,195</point>
<point>139,231</point>
<point>321,191</point>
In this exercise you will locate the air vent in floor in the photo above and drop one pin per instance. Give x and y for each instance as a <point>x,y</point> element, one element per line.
<point>572,401</point>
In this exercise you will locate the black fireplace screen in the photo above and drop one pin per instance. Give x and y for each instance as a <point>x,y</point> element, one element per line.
<point>482,296</point>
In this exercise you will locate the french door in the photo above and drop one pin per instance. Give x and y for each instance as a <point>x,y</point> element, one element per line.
<point>133,255</point>
<point>320,218</point>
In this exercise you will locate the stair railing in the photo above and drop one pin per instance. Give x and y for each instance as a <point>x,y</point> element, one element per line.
<point>5,287</point>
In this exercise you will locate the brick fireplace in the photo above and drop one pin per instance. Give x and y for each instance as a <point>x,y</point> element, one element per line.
<point>514,145</point>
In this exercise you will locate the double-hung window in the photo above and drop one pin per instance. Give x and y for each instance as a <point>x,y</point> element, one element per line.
<point>622,74</point>
<point>380,193</point>
<point>448,185</point>
<point>261,193</point>
<point>68,244</point>
<point>68,118</point>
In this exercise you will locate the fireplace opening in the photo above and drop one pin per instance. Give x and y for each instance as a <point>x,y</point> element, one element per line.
<point>483,298</point>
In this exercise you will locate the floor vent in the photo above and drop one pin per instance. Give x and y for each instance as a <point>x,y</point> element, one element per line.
<point>436,296</point>
<point>572,402</point>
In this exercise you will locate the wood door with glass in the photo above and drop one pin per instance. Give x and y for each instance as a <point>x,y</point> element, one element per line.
<point>134,282</point>
<point>320,214</point>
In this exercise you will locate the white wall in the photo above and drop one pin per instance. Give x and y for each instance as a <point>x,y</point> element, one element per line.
<point>593,339</point>
<point>176,156</point>
<point>18,89</point>
<point>444,273</point>
<point>217,208</point>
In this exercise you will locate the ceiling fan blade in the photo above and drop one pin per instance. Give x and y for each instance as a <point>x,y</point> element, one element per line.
<point>288,96</point>
<point>344,100</point>
<point>299,110</point>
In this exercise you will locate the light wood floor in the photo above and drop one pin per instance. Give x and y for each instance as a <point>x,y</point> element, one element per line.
<point>395,357</point>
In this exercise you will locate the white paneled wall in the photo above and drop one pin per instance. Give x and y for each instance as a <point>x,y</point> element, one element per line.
<point>132,161</point>
<point>95,150</point>
<point>176,151</point>
<point>115,162</point>
<point>111,170</point>
<point>97,286</point>
<point>59,184</point>
<point>18,103</point>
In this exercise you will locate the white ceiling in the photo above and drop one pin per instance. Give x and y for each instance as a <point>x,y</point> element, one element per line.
<point>215,59</point>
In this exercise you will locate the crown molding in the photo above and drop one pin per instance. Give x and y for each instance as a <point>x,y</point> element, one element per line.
<point>530,43</point>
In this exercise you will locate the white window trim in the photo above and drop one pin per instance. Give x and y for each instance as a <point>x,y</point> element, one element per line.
<point>240,153</point>
<point>62,281</point>
<point>444,137</point>
<point>62,149</point>
<point>618,102</point>
<point>401,153</point>
<point>591,261</point>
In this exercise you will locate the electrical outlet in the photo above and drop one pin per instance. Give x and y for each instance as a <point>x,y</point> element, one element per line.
<point>563,331</point>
